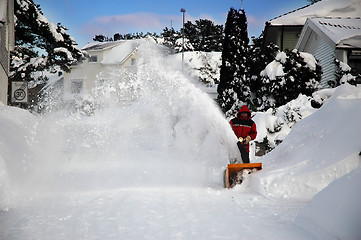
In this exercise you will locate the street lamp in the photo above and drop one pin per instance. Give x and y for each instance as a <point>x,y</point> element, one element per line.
<point>183,10</point>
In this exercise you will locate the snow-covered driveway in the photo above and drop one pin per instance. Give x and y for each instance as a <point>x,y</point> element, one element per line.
<point>153,213</point>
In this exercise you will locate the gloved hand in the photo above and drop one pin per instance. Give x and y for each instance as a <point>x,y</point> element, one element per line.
<point>247,139</point>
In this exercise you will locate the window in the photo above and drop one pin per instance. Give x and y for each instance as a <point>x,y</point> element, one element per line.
<point>93,58</point>
<point>76,86</point>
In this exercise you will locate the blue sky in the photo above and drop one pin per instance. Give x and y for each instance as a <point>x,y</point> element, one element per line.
<point>86,18</point>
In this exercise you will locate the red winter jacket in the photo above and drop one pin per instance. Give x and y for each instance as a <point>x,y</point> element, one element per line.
<point>244,127</point>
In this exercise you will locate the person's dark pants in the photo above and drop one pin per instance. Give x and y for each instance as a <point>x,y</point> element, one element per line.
<point>244,153</point>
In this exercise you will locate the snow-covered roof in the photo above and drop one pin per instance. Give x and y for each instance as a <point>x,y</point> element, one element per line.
<point>342,32</point>
<point>323,8</point>
<point>118,51</point>
<point>121,52</point>
<point>100,45</point>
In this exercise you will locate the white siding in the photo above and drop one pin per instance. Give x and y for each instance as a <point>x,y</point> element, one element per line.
<point>312,43</point>
<point>325,56</point>
<point>290,39</point>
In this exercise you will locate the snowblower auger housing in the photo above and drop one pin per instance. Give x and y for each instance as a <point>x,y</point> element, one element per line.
<point>230,176</point>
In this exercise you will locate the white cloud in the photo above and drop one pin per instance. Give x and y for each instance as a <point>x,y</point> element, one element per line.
<point>129,23</point>
<point>152,22</point>
<point>137,22</point>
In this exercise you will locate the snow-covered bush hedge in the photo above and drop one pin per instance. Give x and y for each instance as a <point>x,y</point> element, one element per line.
<point>274,124</point>
<point>289,75</point>
<point>344,74</point>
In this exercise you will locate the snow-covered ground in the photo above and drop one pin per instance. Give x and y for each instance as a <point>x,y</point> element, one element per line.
<point>152,169</point>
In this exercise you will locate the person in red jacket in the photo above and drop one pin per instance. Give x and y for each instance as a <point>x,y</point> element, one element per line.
<point>245,129</point>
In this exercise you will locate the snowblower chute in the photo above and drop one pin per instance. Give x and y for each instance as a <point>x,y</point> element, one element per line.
<point>230,176</point>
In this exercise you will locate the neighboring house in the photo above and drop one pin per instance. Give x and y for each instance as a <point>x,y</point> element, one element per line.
<point>328,39</point>
<point>86,75</point>
<point>286,29</point>
<point>7,42</point>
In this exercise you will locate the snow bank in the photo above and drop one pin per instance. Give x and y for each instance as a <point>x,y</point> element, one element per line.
<point>323,94</point>
<point>318,150</point>
<point>16,152</point>
<point>335,213</point>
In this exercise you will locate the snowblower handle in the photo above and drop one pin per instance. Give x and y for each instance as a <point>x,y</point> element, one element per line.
<point>242,140</point>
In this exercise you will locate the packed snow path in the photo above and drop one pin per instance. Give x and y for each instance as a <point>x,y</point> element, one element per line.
<point>149,163</point>
<point>153,213</point>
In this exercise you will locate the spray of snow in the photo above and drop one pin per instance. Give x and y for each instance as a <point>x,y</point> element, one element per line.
<point>156,130</point>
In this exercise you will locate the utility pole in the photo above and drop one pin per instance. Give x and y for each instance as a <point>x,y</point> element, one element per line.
<point>183,11</point>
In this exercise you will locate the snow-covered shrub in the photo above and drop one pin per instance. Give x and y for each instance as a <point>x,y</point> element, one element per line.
<point>178,46</point>
<point>275,124</point>
<point>344,74</point>
<point>204,65</point>
<point>319,97</point>
<point>263,147</point>
<point>275,127</point>
<point>289,75</point>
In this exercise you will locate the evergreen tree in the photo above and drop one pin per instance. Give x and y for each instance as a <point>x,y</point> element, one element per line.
<point>170,37</point>
<point>191,33</point>
<point>204,35</point>
<point>35,33</point>
<point>234,87</point>
<point>258,61</point>
<point>99,38</point>
<point>117,37</point>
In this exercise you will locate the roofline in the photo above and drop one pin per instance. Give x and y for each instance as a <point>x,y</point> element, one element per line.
<point>116,43</point>
<point>306,34</point>
<point>312,25</point>
<point>280,25</point>
<point>291,11</point>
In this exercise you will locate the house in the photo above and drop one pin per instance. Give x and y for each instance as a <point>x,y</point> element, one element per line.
<point>328,39</point>
<point>285,30</point>
<point>86,75</point>
<point>7,42</point>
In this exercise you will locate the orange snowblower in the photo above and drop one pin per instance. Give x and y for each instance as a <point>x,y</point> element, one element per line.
<point>233,173</point>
